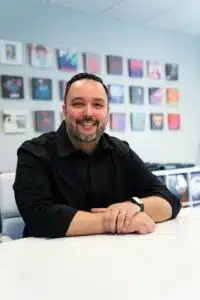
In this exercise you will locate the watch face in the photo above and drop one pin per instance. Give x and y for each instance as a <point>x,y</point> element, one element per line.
<point>138,200</point>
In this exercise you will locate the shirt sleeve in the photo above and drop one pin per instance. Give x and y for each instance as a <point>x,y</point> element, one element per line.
<point>147,184</point>
<point>43,217</point>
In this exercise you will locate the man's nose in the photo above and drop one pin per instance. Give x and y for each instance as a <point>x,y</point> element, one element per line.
<point>88,110</point>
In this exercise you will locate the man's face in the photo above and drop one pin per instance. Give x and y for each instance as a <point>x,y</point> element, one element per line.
<point>86,110</point>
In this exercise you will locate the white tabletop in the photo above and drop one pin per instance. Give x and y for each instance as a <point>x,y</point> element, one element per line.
<point>164,265</point>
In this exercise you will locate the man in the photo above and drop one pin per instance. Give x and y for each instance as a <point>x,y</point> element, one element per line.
<point>81,181</point>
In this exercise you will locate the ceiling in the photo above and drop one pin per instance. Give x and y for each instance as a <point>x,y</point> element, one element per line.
<point>176,15</point>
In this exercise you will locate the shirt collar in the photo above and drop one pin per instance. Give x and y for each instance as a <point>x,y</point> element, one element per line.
<point>65,146</point>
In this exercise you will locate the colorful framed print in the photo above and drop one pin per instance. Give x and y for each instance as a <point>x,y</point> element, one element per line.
<point>40,56</point>
<point>172,96</point>
<point>12,87</point>
<point>116,93</point>
<point>41,88</point>
<point>44,120</point>
<point>92,63</point>
<point>136,94</point>
<point>135,68</point>
<point>154,70</point>
<point>62,87</point>
<point>155,96</point>
<point>156,121</point>
<point>171,72</point>
<point>11,52</point>
<point>174,121</point>
<point>137,121</point>
<point>117,122</point>
<point>114,65</point>
<point>15,121</point>
<point>67,60</point>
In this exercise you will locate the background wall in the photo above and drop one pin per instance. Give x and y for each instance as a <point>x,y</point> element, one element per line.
<point>57,28</point>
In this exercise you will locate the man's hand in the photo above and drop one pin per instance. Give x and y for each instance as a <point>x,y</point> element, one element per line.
<point>122,218</point>
<point>141,223</point>
<point>118,216</point>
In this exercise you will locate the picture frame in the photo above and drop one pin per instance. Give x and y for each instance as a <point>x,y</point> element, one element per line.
<point>40,56</point>
<point>135,68</point>
<point>137,121</point>
<point>116,93</point>
<point>156,121</point>
<point>11,52</point>
<point>117,122</point>
<point>67,60</point>
<point>136,95</point>
<point>114,65</point>
<point>12,87</point>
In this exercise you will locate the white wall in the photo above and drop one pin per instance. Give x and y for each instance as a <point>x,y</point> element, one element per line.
<point>59,28</point>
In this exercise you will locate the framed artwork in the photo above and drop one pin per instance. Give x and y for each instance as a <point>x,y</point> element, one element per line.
<point>117,122</point>
<point>156,121</point>
<point>67,60</point>
<point>15,121</point>
<point>171,72</point>
<point>40,56</point>
<point>195,186</point>
<point>136,68</point>
<point>137,121</point>
<point>174,121</point>
<point>92,63</point>
<point>154,70</point>
<point>62,86</point>
<point>155,96</point>
<point>172,96</point>
<point>136,94</point>
<point>114,65</point>
<point>12,87</point>
<point>116,93</point>
<point>41,88</point>
<point>11,52</point>
<point>179,186</point>
<point>44,120</point>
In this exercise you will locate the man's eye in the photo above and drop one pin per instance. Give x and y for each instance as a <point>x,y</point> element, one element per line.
<point>98,105</point>
<point>77,104</point>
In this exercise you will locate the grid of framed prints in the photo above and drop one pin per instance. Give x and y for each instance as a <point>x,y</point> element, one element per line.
<point>122,83</point>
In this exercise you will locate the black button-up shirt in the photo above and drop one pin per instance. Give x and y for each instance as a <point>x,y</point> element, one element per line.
<point>54,180</point>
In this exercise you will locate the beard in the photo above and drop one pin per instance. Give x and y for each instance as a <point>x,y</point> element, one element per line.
<point>80,137</point>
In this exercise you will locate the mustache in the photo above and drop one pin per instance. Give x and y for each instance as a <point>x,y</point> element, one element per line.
<point>87,119</point>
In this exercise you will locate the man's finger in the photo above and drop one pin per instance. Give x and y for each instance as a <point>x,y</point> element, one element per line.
<point>112,222</point>
<point>120,221</point>
<point>128,222</point>
<point>98,210</point>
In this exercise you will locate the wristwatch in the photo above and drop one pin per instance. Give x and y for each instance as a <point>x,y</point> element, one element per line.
<point>138,202</point>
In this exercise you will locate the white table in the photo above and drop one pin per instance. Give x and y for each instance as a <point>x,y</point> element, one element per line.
<point>164,265</point>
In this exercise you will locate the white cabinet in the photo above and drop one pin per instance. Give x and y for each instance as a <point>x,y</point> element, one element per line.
<point>185,183</point>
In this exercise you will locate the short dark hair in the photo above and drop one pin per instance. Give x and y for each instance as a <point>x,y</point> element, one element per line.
<point>81,76</point>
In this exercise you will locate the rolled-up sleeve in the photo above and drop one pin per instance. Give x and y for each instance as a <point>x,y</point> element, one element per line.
<point>42,215</point>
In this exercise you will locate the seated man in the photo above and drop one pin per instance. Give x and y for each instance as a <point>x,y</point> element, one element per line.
<point>81,181</point>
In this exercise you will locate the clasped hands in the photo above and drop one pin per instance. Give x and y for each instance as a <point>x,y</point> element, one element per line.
<point>124,218</point>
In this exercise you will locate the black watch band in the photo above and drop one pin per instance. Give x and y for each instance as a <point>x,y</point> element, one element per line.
<point>138,202</point>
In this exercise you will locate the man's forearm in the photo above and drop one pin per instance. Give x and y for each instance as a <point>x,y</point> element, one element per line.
<point>85,223</point>
<point>157,208</point>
